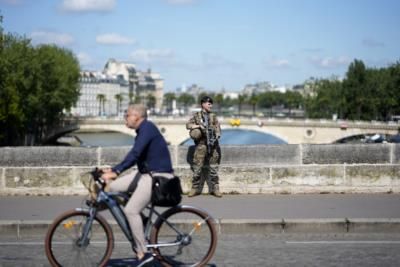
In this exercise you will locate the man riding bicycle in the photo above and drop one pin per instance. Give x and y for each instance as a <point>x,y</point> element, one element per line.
<point>150,153</point>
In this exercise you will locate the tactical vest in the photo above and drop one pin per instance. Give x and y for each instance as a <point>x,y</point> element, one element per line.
<point>199,120</point>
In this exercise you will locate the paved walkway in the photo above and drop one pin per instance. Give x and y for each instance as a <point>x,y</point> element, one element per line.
<point>242,210</point>
<point>262,207</point>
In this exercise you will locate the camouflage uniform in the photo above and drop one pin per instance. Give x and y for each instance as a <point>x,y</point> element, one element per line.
<point>202,159</point>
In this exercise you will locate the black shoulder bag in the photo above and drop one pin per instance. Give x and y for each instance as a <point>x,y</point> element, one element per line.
<point>166,192</point>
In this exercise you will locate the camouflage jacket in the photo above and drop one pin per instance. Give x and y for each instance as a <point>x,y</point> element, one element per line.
<point>198,119</point>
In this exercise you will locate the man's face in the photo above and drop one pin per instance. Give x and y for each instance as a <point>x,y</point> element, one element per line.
<point>207,106</point>
<point>132,119</point>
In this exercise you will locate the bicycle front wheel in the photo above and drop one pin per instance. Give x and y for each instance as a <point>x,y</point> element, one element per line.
<point>65,245</point>
<point>185,236</point>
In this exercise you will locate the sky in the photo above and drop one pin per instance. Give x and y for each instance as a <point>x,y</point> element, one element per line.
<point>216,43</point>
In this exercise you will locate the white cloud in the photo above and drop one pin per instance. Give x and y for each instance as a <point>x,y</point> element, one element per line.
<point>214,61</point>
<point>114,39</point>
<point>11,2</point>
<point>277,63</point>
<point>84,58</point>
<point>88,5</point>
<point>152,55</point>
<point>330,62</point>
<point>43,37</point>
<point>372,43</point>
<point>180,2</point>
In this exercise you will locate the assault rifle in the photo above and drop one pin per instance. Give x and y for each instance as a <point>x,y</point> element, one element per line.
<point>210,135</point>
<point>211,138</point>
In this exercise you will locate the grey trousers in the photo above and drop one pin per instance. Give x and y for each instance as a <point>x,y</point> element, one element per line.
<point>138,201</point>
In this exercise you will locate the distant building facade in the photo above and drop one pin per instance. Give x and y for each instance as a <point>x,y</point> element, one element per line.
<point>108,93</point>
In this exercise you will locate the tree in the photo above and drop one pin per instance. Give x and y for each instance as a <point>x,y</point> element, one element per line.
<point>37,84</point>
<point>325,100</point>
<point>168,100</point>
<point>292,100</point>
<point>57,84</point>
<point>241,100</point>
<point>253,102</point>
<point>219,99</point>
<point>271,100</point>
<point>186,100</point>
<point>354,90</point>
<point>389,91</point>
<point>151,101</point>
<point>14,88</point>
<point>102,99</point>
<point>119,98</point>
<point>200,96</point>
<point>131,92</point>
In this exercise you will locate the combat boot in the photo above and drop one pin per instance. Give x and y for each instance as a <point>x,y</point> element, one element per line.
<point>193,192</point>
<point>216,191</point>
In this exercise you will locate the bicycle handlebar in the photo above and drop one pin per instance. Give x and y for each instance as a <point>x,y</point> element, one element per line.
<point>96,174</point>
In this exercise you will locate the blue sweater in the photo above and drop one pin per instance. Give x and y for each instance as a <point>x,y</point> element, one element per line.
<point>150,151</point>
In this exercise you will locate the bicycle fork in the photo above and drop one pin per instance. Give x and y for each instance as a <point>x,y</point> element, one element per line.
<point>84,240</point>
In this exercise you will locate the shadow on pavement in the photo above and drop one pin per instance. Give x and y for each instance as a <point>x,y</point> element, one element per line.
<point>131,262</point>
<point>128,262</point>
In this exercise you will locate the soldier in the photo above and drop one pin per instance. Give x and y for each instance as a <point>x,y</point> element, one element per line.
<point>205,131</point>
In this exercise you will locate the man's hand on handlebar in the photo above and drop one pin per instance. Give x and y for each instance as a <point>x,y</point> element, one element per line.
<point>108,175</point>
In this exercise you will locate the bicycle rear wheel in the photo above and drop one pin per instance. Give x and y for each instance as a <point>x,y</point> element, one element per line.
<point>63,246</point>
<point>186,237</point>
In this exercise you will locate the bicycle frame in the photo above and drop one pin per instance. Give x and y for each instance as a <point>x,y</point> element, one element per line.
<point>82,229</point>
<point>109,199</point>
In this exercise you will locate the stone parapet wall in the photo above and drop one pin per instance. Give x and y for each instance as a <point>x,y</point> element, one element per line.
<point>349,168</point>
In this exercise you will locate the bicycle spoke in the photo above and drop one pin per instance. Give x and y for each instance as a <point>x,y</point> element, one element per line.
<point>64,246</point>
<point>193,232</point>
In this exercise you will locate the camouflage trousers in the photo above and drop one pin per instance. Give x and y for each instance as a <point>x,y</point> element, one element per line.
<point>205,167</point>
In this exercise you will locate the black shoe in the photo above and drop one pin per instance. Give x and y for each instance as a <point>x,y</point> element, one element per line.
<point>147,258</point>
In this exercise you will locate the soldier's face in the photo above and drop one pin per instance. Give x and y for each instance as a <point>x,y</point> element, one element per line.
<point>207,106</point>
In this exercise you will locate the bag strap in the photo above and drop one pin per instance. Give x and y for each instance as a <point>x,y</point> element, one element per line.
<point>134,183</point>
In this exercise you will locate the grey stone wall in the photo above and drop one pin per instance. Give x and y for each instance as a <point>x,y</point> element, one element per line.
<point>244,169</point>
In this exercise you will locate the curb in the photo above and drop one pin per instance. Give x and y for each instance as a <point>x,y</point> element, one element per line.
<point>31,228</point>
<point>332,225</point>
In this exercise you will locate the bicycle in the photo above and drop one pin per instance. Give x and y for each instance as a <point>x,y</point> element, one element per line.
<point>180,236</point>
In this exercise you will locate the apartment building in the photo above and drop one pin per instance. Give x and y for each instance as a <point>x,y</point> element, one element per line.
<point>108,93</point>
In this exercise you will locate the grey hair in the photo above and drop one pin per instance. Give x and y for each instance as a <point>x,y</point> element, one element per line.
<point>139,108</point>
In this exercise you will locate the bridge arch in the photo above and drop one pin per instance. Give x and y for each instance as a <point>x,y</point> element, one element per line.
<point>250,135</point>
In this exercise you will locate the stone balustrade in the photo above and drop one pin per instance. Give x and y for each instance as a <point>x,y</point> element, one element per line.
<point>339,168</point>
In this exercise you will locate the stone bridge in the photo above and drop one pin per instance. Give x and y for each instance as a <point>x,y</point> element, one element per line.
<point>290,131</point>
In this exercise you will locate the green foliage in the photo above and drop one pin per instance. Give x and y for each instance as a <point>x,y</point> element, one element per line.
<point>364,94</point>
<point>253,100</point>
<point>102,101</point>
<point>168,99</point>
<point>186,99</point>
<point>218,100</point>
<point>151,101</point>
<point>325,99</point>
<point>36,85</point>
<point>119,98</point>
